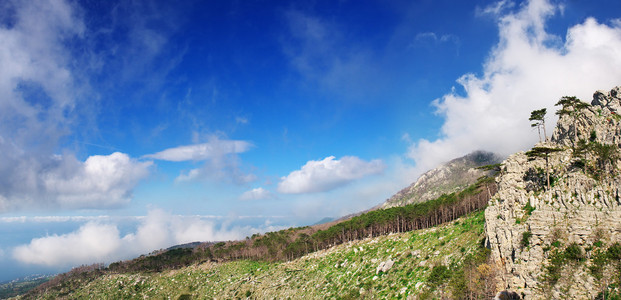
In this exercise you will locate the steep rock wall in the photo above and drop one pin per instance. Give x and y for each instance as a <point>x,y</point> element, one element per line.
<point>527,223</point>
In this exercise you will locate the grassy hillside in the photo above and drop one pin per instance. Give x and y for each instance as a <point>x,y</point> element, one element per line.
<point>428,262</point>
<point>288,244</point>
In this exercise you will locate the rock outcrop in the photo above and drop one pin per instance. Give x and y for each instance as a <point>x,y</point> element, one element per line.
<point>448,178</point>
<point>546,239</point>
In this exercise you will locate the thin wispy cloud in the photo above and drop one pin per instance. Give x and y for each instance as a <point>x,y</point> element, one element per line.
<point>323,55</point>
<point>256,194</point>
<point>219,157</point>
<point>213,149</point>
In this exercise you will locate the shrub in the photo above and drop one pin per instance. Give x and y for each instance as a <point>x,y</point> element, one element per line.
<point>438,274</point>
<point>573,252</point>
<point>526,238</point>
<point>614,251</point>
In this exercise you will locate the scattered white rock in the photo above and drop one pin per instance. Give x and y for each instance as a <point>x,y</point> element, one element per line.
<point>384,266</point>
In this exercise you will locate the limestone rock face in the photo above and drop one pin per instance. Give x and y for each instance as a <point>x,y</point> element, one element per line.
<point>445,179</point>
<point>527,222</point>
<point>599,121</point>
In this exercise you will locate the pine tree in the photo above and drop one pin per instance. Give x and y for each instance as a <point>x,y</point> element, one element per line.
<point>538,119</point>
<point>545,153</point>
<point>571,106</point>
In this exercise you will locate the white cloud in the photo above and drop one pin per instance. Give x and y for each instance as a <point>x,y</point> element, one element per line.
<point>220,156</point>
<point>433,37</point>
<point>256,194</point>
<point>38,90</point>
<point>91,241</point>
<point>98,242</point>
<point>528,69</point>
<point>213,149</point>
<point>241,120</point>
<point>41,92</point>
<point>101,181</point>
<point>225,169</point>
<point>327,174</point>
<point>496,9</point>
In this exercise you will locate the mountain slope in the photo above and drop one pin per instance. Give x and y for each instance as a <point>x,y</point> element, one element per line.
<point>448,178</point>
<point>347,271</point>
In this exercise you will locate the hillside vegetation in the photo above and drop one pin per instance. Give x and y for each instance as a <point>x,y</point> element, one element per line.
<point>294,242</point>
<point>273,249</point>
<point>445,261</point>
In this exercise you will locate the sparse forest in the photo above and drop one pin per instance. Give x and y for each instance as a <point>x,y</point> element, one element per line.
<point>295,242</point>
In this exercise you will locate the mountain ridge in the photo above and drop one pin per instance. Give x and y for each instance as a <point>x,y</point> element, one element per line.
<point>447,178</point>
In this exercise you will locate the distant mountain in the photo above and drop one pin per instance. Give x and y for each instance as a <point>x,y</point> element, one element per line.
<point>448,178</point>
<point>323,221</point>
<point>184,246</point>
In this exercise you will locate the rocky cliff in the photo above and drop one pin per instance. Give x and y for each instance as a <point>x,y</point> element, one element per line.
<point>557,238</point>
<point>445,179</point>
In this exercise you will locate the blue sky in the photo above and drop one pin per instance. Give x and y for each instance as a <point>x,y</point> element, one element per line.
<point>127,127</point>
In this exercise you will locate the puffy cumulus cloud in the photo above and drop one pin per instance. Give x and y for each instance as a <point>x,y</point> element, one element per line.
<point>328,174</point>
<point>256,194</point>
<point>81,247</point>
<point>102,242</point>
<point>99,181</point>
<point>213,149</point>
<point>63,181</point>
<point>528,69</point>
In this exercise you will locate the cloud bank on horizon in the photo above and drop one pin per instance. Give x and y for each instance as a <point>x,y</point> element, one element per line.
<point>98,241</point>
<point>528,69</point>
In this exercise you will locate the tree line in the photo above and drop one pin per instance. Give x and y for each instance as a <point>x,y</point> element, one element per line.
<point>292,243</point>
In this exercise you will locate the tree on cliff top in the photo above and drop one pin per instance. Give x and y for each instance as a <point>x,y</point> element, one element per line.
<point>571,106</point>
<point>538,119</point>
<point>545,153</point>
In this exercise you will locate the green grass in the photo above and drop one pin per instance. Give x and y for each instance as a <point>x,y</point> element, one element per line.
<point>347,271</point>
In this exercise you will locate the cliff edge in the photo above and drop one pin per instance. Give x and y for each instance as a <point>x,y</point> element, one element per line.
<point>555,223</point>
